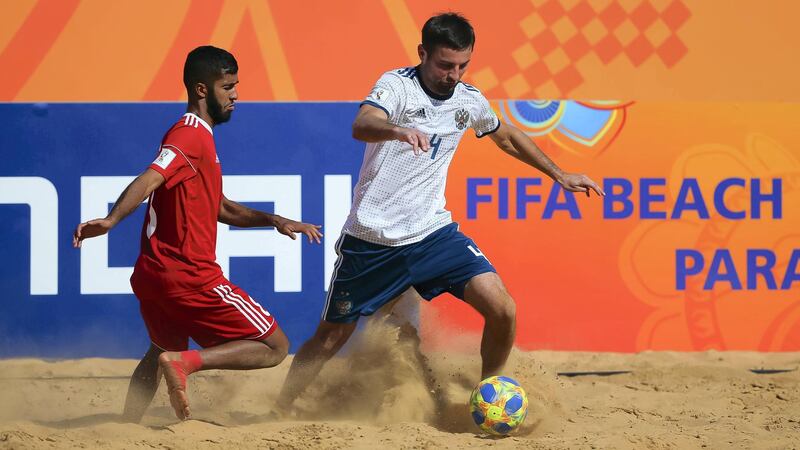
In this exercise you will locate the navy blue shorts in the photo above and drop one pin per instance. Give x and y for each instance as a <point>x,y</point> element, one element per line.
<point>368,276</point>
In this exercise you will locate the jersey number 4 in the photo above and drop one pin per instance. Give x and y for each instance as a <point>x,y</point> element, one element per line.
<point>436,141</point>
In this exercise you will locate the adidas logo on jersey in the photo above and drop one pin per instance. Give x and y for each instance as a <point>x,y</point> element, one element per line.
<point>418,113</point>
<point>191,120</point>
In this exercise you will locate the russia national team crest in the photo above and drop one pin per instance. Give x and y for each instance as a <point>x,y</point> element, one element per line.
<point>462,117</point>
<point>344,306</point>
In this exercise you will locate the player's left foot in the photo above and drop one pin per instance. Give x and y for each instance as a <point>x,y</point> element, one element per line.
<point>175,370</point>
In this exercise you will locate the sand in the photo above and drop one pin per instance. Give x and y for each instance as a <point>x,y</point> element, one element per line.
<point>380,395</point>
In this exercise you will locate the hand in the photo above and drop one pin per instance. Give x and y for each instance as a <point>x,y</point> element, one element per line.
<point>90,229</point>
<point>290,227</point>
<point>417,139</point>
<point>575,182</point>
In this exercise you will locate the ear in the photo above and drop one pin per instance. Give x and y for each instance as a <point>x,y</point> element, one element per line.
<point>200,90</point>
<point>422,53</point>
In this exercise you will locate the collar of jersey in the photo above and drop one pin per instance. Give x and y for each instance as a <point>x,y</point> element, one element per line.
<point>201,121</point>
<point>429,92</point>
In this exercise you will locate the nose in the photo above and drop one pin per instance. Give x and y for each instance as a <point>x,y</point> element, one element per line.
<point>454,75</point>
<point>234,94</point>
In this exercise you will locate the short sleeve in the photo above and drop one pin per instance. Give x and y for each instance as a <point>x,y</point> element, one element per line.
<point>178,157</point>
<point>387,95</point>
<point>486,122</point>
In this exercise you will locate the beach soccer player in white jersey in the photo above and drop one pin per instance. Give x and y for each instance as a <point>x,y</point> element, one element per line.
<point>399,236</point>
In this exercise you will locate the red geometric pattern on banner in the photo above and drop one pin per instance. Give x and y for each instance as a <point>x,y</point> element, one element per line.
<point>638,32</point>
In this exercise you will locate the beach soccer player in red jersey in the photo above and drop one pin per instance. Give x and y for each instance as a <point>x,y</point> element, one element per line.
<point>181,289</point>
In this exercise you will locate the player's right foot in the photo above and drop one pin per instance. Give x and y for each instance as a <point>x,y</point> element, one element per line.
<point>175,373</point>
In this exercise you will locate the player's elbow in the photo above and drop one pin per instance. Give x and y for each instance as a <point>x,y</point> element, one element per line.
<point>359,131</point>
<point>223,215</point>
<point>509,147</point>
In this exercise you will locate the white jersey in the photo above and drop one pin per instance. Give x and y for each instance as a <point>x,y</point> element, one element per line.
<point>399,197</point>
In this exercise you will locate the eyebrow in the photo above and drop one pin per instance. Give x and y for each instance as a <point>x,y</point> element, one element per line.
<point>456,64</point>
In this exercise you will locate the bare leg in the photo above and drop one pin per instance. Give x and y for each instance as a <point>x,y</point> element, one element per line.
<point>235,355</point>
<point>312,356</point>
<point>143,386</point>
<point>487,294</point>
<point>245,355</point>
<point>403,309</point>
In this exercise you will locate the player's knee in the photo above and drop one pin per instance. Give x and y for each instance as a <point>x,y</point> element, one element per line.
<point>333,341</point>
<point>151,357</point>
<point>508,312</point>
<point>332,338</point>
<point>276,349</point>
<point>503,312</point>
<point>274,353</point>
<point>279,353</point>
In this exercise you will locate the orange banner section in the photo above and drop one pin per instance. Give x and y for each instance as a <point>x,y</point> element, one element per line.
<point>94,50</point>
<point>695,246</point>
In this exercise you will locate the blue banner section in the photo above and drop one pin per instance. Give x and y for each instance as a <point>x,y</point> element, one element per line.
<point>64,161</point>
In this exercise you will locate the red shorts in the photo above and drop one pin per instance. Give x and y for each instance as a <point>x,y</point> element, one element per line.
<point>221,314</point>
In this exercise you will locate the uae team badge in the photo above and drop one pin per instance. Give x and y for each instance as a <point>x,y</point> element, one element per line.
<point>462,117</point>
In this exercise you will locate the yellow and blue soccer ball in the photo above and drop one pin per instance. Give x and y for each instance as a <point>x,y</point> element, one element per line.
<point>498,405</point>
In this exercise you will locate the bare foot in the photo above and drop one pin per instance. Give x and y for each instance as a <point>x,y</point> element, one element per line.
<point>174,374</point>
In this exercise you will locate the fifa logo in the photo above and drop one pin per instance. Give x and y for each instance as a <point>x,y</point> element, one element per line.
<point>462,117</point>
<point>377,93</point>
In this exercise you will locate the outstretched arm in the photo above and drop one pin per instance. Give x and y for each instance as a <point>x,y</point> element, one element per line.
<point>372,125</point>
<point>238,215</point>
<point>514,142</point>
<point>128,201</point>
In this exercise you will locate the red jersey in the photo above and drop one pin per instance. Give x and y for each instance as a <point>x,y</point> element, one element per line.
<point>179,235</point>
